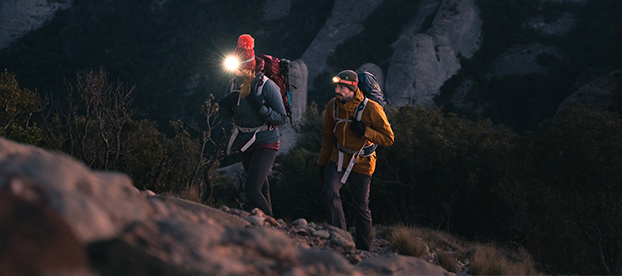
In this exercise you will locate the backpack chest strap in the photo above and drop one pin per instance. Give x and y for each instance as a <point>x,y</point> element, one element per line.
<point>358,113</point>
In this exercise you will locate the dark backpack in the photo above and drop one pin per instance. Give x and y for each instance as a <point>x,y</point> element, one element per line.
<point>278,71</point>
<point>370,88</point>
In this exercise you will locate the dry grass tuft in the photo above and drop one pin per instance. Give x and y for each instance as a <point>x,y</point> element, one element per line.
<point>405,243</point>
<point>452,251</point>
<point>489,260</point>
<point>447,260</point>
<point>191,193</point>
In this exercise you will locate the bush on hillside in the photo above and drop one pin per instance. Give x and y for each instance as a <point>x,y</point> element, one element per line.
<point>440,172</point>
<point>556,191</point>
<point>567,192</point>
<point>17,106</point>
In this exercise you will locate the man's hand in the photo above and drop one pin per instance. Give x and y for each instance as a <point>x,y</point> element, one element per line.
<point>358,127</point>
<point>255,101</point>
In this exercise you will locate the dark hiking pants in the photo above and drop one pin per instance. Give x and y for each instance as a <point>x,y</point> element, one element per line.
<point>257,164</point>
<point>359,187</point>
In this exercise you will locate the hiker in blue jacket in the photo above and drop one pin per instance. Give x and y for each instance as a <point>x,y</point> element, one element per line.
<point>256,108</point>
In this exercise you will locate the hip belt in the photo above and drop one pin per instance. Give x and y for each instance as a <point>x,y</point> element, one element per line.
<point>254,130</point>
<point>365,151</point>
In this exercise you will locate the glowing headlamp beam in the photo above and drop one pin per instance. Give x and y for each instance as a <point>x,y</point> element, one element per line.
<point>232,63</point>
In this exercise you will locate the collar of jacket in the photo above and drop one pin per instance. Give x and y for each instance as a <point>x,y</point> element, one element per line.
<point>351,105</point>
<point>258,80</point>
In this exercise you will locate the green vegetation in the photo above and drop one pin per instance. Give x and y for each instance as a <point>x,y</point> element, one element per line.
<point>94,125</point>
<point>555,191</point>
<point>16,108</point>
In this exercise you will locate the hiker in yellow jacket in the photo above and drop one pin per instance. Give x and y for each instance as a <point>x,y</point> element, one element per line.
<point>352,125</point>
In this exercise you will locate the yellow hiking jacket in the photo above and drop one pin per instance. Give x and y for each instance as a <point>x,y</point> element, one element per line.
<point>378,131</point>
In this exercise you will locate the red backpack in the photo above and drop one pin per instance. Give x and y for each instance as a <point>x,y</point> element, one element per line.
<point>278,71</point>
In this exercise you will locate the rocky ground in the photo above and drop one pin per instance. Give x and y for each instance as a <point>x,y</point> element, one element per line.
<point>308,235</point>
<point>61,218</point>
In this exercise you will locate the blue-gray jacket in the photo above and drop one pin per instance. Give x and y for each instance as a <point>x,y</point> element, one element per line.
<point>272,112</point>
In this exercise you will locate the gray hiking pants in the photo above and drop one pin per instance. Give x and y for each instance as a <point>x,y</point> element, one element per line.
<point>359,187</point>
<point>257,164</point>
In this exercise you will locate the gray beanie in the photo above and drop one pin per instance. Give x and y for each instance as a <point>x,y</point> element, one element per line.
<point>348,78</point>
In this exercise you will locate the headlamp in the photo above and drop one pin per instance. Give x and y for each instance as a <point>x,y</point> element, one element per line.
<point>337,79</point>
<point>232,63</point>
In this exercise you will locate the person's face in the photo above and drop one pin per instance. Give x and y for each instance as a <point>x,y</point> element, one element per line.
<point>342,93</point>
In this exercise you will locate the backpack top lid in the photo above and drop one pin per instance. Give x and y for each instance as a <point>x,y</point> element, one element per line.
<point>370,88</point>
<point>278,71</point>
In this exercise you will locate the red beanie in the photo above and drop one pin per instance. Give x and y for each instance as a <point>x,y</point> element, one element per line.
<point>245,52</point>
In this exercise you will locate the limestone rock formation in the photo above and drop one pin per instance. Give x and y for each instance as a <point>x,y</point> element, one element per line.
<point>102,218</point>
<point>520,60</point>
<point>18,17</point>
<point>375,70</point>
<point>422,62</point>
<point>298,78</point>
<point>604,93</point>
<point>276,9</point>
<point>346,20</point>
<point>560,28</point>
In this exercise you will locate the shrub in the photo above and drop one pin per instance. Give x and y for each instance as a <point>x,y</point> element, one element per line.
<point>16,108</point>
<point>567,189</point>
<point>440,171</point>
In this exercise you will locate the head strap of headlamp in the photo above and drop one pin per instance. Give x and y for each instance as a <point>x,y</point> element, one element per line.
<point>337,79</point>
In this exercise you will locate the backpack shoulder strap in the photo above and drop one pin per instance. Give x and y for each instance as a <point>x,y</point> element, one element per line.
<point>260,86</point>
<point>335,110</point>
<point>358,113</point>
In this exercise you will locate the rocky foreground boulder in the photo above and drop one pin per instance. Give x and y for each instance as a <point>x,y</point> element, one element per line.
<point>58,217</point>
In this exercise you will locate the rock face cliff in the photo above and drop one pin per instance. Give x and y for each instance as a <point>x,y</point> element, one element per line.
<point>18,17</point>
<point>602,94</point>
<point>423,61</point>
<point>298,78</point>
<point>346,20</point>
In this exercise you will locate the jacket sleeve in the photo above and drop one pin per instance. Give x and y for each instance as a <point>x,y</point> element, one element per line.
<point>327,134</point>
<point>274,112</point>
<point>225,105</point>
<point>379,131</point>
